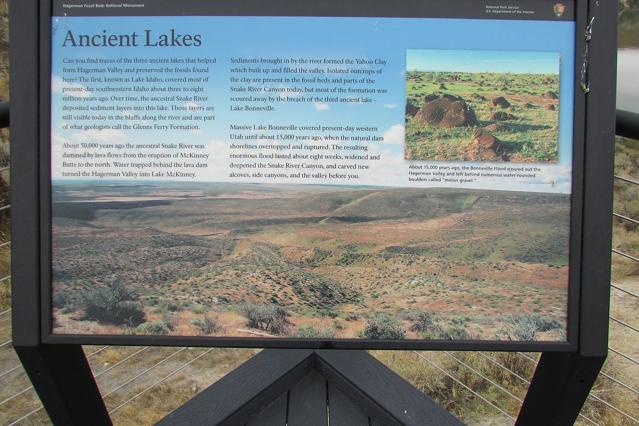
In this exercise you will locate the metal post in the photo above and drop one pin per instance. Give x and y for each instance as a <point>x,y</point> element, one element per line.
<point>559,388</point>
<point>62,377</point>
<point>60,373</point>
<point>562,381</point>
<point>4,115</point>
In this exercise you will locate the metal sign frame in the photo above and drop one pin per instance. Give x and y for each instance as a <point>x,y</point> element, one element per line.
<point>591,199</point>
<point>58,367</point>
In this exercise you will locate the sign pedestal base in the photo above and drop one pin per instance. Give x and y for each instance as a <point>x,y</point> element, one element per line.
<point>62,377</point>
<point>295,386</point>
<point>559,388</point>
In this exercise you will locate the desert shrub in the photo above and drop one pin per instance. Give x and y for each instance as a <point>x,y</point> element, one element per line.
<point>122,313</point>
<point>546,324</point>
<point>64,300</point>
<point>113,304</point>
<point>271,318</point>
<point>455,331</point>
<point>310,332</point>
<point>329,313</point>
<point>352,317</point>
<point>172,306</point>
<point>524,327</point>
<point>423,322</point>
<point>160,328</point>
<point>168,319</point>
<point>207,325</point>
<point>429,327</point>
<point>350,258</point>
<point>58,300</point>
<point>322,292</point>
<point>319,256</point>
<point>199,309</point>
<point>383,327</point>
<point>521,327</point>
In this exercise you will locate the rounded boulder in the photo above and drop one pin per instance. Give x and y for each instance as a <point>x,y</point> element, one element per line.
<point>446,112</point>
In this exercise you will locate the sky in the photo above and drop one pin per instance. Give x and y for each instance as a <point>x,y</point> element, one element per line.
<point>512,45</point>
<point>488,61</point>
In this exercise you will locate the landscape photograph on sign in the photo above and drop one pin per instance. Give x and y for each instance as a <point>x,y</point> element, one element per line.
<point>308,261</point>
<point>482,106</point>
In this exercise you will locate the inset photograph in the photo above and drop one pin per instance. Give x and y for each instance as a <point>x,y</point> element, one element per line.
<point>464,105</point>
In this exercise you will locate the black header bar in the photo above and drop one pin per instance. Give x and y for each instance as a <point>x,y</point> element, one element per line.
<point>538,10</point>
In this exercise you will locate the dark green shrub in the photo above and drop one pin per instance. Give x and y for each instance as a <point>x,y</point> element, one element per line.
<point>429,327</point>
<point>329,313</point>
<point>172,306</point>
<point>546,324</point>
<point>453,332</point>
<point>63,300</point>
<point>383,327</point>
<point>154,327</point>
<point>423,322</point>
<point>207,325</point>
<point>168,320</point>
<point>310,332</point>
<point>524,327</point>
<point>271,318</point>
<point>113,304</point>
<point>352,317</point>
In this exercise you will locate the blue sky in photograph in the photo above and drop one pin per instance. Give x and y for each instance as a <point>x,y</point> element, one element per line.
<point>488,61</point>
<point>503,44</point>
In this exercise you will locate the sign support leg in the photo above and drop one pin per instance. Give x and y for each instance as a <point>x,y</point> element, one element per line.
<point>65,384</point>
<point>559,388</point>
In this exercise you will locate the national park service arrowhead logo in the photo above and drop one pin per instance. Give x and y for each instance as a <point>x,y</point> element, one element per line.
<point>559,9</point>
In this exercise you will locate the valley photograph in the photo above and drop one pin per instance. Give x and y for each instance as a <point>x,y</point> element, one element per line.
<point>482,106</point>
<point>308,261</point>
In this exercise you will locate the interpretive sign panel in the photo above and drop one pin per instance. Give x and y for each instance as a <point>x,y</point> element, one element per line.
<point>401,176</point>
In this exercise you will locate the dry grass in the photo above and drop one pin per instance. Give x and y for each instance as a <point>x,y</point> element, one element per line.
<point>416,367</point>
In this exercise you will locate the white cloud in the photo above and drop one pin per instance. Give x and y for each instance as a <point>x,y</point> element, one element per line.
<point>290,91</point>
<point>217,145</point>
<point>105,135</point>
<point>395,134</point>
<point>390,106</point>
<point>286,92</point>
<point>58,139</point>
<point>129,115</point>
<point>57,151</point>
<point>126,114</point>
<point>392,170</point>
<point>321,106</point>
<point>58,85</point>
